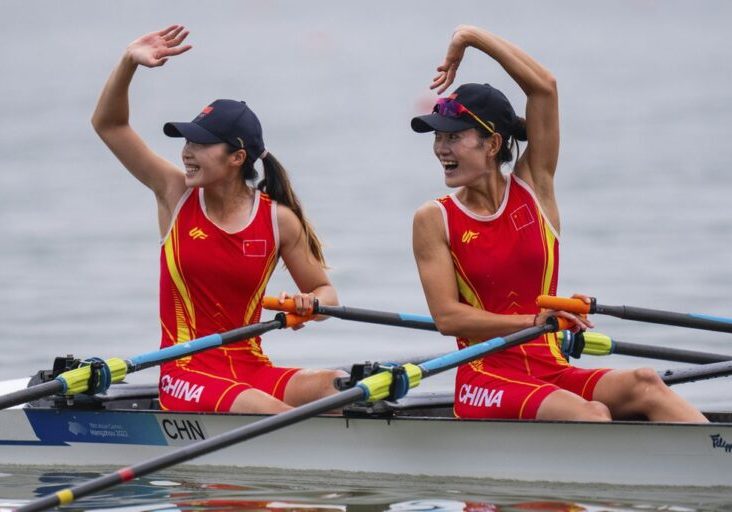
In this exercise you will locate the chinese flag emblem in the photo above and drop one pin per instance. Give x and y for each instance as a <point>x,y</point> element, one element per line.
<point>255,248</point>
<point>522,217</point>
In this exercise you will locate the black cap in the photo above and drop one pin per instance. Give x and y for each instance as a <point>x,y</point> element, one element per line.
<point>486,102</point>
<point>228,121</point>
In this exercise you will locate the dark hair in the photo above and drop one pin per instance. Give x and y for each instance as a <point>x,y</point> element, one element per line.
<point>510,140</point>
<point>276,184</point>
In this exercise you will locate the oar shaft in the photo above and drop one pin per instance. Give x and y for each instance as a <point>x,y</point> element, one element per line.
<point>179,350</point>
<point>379,317</point>
<point>194,450</point>
<point>374,387</point>
<point>409,320</point>
<point>29,394</point>
<point>667,354</point>
<point>696,373</point>
<point>77,380</point>
<point>656,316</point>
<point>454,359</point>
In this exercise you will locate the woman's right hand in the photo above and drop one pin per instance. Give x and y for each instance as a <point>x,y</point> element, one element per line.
<point>448,69</point>
<point>580,322</point>
<point>154,49</point>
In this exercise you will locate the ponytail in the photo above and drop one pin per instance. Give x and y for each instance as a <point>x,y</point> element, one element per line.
<point>276,184</point>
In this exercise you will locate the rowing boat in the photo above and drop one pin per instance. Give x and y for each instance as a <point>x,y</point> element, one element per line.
<point>415,435</point>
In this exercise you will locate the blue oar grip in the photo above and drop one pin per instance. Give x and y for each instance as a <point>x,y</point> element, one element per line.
<point>711,317</point>
<point>416,318</point>
<point>461,356</point>
<point>176,351</point>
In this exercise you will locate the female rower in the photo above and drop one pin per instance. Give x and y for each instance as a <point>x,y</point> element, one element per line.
<point>486,251</point>
<point>221,239</point>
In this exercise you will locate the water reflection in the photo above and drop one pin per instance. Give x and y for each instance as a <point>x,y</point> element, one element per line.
<point>229,489</point>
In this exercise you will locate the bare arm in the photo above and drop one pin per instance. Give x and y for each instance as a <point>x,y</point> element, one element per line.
<point>111,120</point>
<point>307,272</point>
<point>538,163</point>
<point>437,273</point>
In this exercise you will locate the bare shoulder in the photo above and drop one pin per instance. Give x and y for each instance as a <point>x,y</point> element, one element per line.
<point>428,224</point>
<point>288,224</point>
<point>428,212</point>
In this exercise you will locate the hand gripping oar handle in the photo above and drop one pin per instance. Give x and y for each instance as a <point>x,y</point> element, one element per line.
<point>77,381</point>
<point>654,316</point>
<point>361,315</point>
<point>375,387</point>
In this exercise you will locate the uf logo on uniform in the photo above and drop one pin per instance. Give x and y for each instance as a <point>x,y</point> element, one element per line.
<point>197,234</point>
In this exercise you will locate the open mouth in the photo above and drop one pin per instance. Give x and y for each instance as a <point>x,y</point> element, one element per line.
<point>191,170</point>
<point>449,165</point>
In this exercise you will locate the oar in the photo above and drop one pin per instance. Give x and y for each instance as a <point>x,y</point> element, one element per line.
<point>595,343</point>
<point>598,344</point>
<point>376,387</point>
<point>655,316</point>
<point>80,379</point>
<point>422,322</point>
<point>695,373</point>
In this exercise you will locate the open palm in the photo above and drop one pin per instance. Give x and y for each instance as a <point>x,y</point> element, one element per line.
<point>155,48</point>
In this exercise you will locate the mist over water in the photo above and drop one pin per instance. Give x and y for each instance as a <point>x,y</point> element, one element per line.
<point>643,180</point>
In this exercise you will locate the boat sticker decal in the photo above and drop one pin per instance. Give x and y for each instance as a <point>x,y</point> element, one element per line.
<point>181,430</point>
<point>719,442</point>
<point>64,426</point>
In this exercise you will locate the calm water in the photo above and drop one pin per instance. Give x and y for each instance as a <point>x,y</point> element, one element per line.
<point>643,184</point>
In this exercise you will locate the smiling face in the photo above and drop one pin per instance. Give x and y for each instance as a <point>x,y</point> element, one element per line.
<point>207,164</point>
<point>465,156</point>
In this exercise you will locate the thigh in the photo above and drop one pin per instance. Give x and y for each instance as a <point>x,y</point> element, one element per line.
<point>580,381</point>
<point>193,390</point>
<point>504,394</point>
<point>272,380</point>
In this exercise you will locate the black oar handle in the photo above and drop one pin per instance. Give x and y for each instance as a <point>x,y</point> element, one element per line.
<point>29,394</point>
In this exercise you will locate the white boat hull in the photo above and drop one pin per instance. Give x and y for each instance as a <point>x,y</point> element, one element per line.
<point>627,453</point>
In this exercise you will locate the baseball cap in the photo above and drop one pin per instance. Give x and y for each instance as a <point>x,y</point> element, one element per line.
<point>229,121</point>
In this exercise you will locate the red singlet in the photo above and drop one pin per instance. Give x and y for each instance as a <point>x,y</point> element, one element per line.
<point>212,281</point>
<point>502,263</point>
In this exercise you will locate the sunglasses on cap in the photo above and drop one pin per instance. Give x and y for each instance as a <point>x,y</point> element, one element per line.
<point>448,107</point>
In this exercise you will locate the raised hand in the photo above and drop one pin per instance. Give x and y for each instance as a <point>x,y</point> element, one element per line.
<point>447,70</point>
<point>154,49</point>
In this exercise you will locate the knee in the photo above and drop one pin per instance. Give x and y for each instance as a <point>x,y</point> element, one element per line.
<point>647,383</point>
<point>595,411</point>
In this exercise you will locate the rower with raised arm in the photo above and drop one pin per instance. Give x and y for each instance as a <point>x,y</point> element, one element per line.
<point>486,251</point>
<point>221,239</point>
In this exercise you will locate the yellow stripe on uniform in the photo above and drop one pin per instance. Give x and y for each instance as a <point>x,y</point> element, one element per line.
<point>467,291</point>
<point>549,242</point>
<point>261,286</point>
<point>185,314</point>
